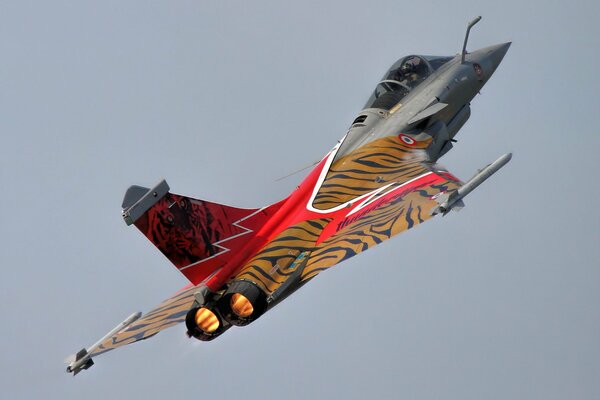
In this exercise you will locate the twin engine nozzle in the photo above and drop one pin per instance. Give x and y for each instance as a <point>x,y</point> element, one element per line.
<point>242,303</point>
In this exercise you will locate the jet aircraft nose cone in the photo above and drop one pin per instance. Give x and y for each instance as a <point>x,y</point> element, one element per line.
<point>489,58</point>
<point>496,53</point>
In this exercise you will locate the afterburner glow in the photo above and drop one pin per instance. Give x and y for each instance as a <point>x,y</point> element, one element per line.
<point>207,320</point>
<point>241,306</point>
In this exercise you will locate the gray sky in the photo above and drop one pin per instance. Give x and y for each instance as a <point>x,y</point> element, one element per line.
<point>221,98</point>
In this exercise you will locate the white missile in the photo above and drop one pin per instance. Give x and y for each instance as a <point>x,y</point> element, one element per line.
<point>83,360</point>
<point>454,200</point>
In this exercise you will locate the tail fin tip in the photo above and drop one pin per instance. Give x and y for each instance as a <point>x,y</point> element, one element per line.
<point>139,199</point>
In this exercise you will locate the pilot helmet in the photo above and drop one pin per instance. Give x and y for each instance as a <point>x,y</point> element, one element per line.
<point>407,68</point>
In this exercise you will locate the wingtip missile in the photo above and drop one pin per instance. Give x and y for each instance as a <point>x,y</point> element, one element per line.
<point>83,359</point>
<point>454,200</point>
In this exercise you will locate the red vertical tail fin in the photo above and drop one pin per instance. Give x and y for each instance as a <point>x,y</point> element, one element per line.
<point>197,236</point>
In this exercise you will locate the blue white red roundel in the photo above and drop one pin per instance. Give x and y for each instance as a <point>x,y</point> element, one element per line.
<point>407,139</point>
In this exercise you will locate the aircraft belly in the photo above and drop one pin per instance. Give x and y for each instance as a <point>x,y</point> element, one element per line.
<point>272,266</point>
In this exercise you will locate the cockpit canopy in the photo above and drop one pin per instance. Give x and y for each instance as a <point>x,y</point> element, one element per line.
<point>402,77</point>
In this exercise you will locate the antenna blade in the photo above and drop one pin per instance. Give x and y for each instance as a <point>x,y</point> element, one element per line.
<point>297,171</point>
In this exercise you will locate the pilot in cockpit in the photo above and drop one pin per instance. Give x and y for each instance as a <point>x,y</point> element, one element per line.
<point>413,71</point>
<point>407,68</point>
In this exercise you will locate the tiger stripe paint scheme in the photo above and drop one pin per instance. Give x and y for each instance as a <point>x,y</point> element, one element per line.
<point>364,170</point>
<point>169,313</point>
<point>401,192</point>
<point>388,163</point>
<point>381,179</point>
<point>199,236</point>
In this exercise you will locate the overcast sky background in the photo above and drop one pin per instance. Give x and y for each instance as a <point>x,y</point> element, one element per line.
<point>222,98</point>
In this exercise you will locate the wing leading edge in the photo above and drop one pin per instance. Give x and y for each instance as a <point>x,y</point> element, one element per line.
<point>167,314</point>
<point>199,237</point>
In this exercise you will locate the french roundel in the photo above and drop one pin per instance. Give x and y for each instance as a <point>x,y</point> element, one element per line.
<point>407,139</point>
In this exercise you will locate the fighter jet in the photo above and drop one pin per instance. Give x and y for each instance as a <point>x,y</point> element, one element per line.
<point>379,180</point>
